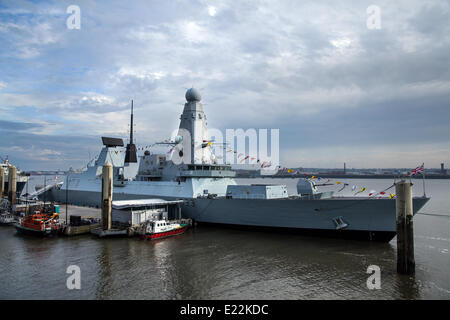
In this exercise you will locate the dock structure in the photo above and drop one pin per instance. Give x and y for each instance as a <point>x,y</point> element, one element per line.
<point>82,219</point>
<point>107,194</point>
<point>110,233</point>
<point>405,230</point>
<point>12,185</point>
<point>81,225</point>
<point>77,230</point>
<point>128,216</point>
<point>131,213</point>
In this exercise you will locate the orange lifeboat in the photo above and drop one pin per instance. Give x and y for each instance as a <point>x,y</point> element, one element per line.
<point>39,224</point>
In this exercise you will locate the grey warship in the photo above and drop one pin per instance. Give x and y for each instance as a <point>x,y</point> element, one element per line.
<point>212,196</point>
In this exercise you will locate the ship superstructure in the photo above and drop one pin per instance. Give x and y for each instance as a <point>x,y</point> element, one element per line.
<point>21,179</point>
<point>211,195</point>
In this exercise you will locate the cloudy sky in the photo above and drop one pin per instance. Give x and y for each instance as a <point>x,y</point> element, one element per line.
<point>337,90</point>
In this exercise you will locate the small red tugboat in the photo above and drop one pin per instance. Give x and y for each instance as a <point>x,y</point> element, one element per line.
<point>160,229</point>
<point>39,224</point>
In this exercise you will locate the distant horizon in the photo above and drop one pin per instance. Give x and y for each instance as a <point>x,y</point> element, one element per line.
<point>304,168</point>
<point>339,81</point>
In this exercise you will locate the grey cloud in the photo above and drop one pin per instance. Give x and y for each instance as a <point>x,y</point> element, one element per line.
<point>432,19</point>
<point>18,126</point>
<point>48,152</point>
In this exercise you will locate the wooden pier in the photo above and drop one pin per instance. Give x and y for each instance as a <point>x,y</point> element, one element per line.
<point>77,230</point>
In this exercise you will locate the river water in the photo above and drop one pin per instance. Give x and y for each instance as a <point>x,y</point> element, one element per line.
<point>219,263</point>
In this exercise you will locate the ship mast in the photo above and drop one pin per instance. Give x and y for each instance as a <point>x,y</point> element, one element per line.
<point>130,156</point>
<point>131,129</point>
<point>193,128</point>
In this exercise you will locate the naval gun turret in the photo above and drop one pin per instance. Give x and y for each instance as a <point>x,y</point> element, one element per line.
<point>307,189</point>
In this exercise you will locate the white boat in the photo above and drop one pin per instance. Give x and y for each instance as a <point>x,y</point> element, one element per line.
<point>7,219</point>
<point>160,229</point>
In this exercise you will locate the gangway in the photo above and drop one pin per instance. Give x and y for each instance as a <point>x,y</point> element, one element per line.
<point>34,195</point>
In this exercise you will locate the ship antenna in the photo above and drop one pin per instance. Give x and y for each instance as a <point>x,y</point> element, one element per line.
<point>131,128</point>
<point>131,154</point>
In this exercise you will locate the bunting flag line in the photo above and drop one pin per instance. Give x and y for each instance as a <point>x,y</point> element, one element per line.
<point>362,190</point>
<point>243,159</point>
<point>384,191</point>
<point>324,184</point>
<point>343,187</point>
<point>266,164</point>
<point>206,144</point>
<point>372,193</point>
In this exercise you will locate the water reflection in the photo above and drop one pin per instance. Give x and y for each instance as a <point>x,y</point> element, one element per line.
<point>105,277</point>
<point>215,263</point>
<point>407,287</point>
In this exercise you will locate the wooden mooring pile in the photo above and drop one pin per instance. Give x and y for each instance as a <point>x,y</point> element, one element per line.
<point>405,230</point>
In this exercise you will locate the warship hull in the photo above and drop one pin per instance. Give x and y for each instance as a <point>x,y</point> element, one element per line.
<point>19,187</point>
<point>365,218</point>
<point>373,221</point>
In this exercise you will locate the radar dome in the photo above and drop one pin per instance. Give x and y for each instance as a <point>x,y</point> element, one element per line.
<point>193,95</point>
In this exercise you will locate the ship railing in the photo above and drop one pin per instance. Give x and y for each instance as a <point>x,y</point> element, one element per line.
<point>182,221</point>
<point>250,196</point>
